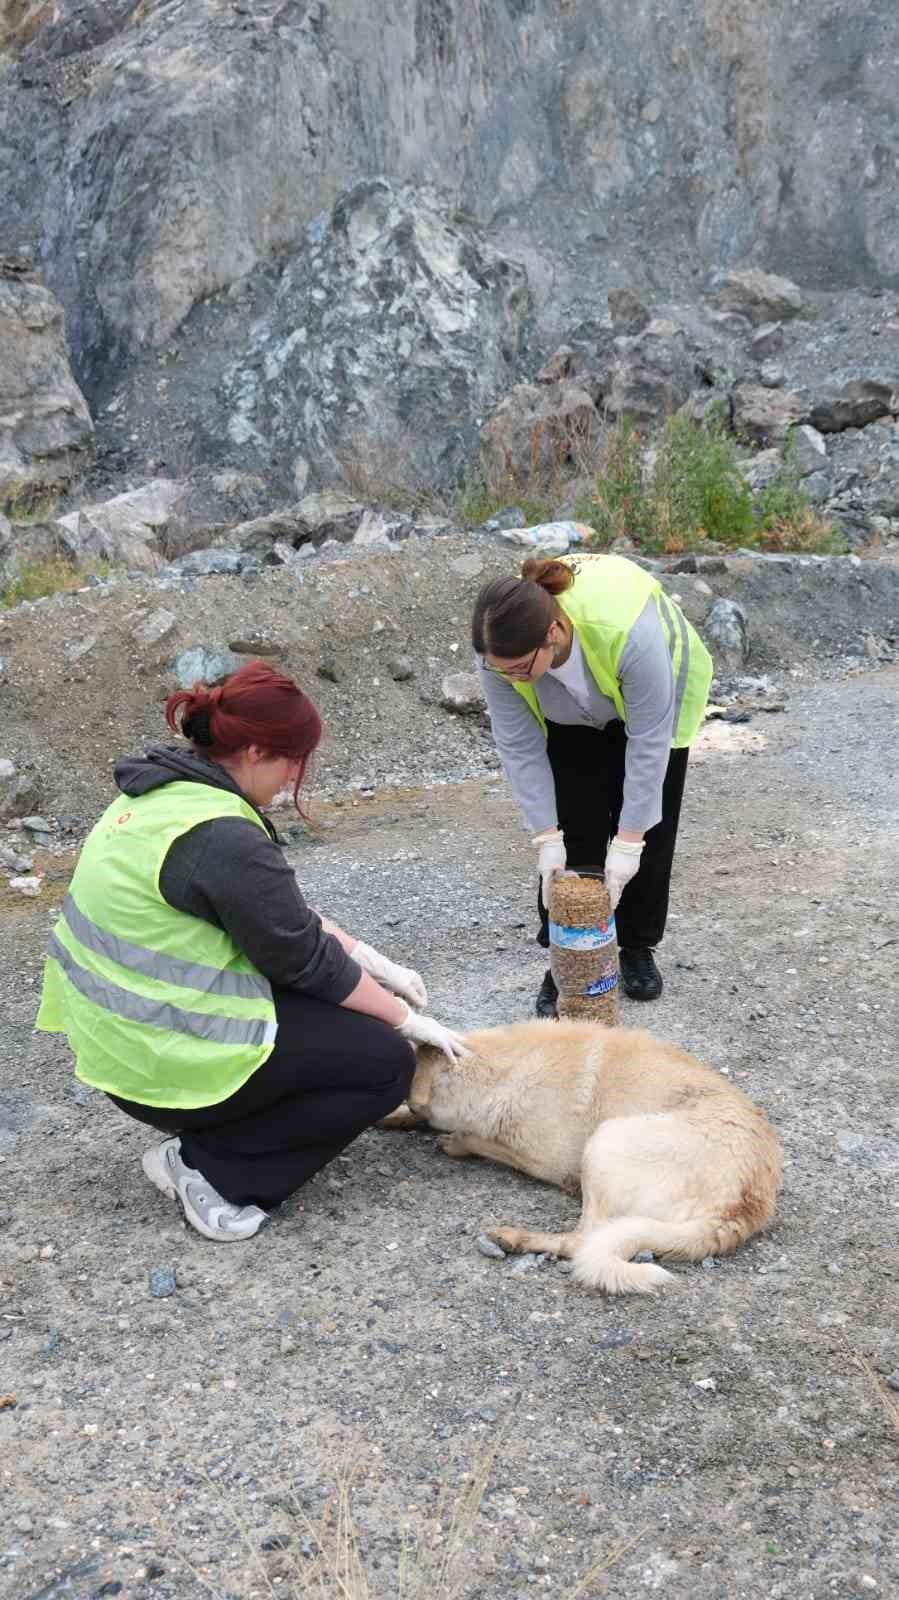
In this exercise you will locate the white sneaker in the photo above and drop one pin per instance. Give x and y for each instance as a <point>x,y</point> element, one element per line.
<point>201,1205</point>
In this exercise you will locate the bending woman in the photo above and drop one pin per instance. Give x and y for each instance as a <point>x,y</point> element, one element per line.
<point>596,684</point>
<point>198,989</point>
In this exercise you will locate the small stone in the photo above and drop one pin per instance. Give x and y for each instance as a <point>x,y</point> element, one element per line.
<point>771,374</point>
<point>401,668</point>
<point>468,566</point>
<point>23,1525</point>
<point>162,1282</point>
<point>207,664</point>
<point>893,1381</point>
<point>727,628</point>
<point>47,1252</point>
<point>489,1247</point>
<point>329,670</point>
<point>487,1414</point>
<point>461,692</point>
<point>27,886</point>
<point>708,1263</point>
<point>643,1255</point>
<point>276,1541</point>
<point>287,1345</point>
<point>37,825</point>
<point>156,627</point>
<point>707,1384</point>
<point>524,1263</point>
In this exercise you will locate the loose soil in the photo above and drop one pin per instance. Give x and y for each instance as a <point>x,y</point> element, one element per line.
<point>737,1437</point>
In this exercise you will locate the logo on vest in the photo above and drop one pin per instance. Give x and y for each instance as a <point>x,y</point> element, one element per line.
<point>125,817</point>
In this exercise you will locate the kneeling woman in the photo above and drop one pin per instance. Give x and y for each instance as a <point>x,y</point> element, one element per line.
<point>596,684</point>
<point>197,988</point>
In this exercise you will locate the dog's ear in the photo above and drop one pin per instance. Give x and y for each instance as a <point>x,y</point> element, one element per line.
<point>419,1096</point>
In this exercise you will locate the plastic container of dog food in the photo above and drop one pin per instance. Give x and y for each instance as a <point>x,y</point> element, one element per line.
<point>583,948</point>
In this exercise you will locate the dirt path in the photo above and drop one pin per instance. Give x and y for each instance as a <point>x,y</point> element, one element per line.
<point>738,1432</point>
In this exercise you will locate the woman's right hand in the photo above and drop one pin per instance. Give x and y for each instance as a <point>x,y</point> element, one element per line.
<point>550,858</point>
<point>425,1030</point>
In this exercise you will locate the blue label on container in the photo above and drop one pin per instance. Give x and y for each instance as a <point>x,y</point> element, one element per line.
<point>582,938</point>
<point>608,981</point>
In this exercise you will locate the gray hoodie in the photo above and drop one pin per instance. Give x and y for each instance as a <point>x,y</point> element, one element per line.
<point>233,875</point>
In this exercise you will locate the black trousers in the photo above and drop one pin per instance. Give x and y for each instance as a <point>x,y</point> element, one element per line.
<point>332,1074</point>
<point>588,768</point>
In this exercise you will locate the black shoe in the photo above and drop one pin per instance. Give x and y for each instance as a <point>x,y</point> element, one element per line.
<point>640,977</point>
<point>547,997</point>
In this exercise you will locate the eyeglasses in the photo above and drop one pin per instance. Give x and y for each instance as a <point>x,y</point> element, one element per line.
<point>520,672</point>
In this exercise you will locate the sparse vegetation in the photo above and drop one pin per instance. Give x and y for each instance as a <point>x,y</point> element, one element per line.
<point>680,491</point>
<point>49,575</point>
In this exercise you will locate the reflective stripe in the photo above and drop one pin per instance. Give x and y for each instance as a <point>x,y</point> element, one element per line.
<point>159,1014</point>
<point>168,969</point>
<point>674,616</point>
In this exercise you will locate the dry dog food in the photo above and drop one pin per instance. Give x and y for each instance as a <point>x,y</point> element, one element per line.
<point>583,949</point>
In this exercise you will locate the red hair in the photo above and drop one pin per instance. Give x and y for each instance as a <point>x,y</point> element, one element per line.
<point>255,705</point>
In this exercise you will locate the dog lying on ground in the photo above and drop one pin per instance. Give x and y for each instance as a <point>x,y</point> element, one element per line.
<point>667,1154</point>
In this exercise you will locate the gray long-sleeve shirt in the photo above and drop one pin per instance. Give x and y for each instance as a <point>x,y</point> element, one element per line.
<point>648,692</point>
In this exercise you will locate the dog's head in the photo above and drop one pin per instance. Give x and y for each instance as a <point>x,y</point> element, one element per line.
<point>432,1092</point>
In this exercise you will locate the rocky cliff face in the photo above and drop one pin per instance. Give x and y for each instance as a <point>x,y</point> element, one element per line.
<point>154,152</point>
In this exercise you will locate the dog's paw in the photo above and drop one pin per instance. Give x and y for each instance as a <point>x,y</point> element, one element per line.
<point>512,1240</point>
<point>400,1120</point>
<point>454,1146</point>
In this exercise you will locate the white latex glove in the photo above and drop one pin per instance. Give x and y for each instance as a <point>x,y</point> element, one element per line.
<point>550,858</point>
<point>622,864</point>
<point>424,1030</point>
<point>404,981</point>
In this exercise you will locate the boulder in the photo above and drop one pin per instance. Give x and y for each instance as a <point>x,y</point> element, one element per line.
<point>764,416</point>
<point>853,405</point>
<point>389,332</point>
<point>807,450</point>
<point>726,628</point>
<point>20,789</point>
<point>537,431</point>
<point>760,296</point>
<point>46,433</point>
<point>125,530</point>
<point>550,538</point>
<point>652,374</point>
<point>767,341</point>
<point>629,314</point>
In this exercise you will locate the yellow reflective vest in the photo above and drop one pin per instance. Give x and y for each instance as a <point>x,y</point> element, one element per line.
<point>160,1007</point>
<point>609,593</point>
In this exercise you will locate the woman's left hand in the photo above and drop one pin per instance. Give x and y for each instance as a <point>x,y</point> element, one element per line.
<point>404,981</point>
<point>622,864</point>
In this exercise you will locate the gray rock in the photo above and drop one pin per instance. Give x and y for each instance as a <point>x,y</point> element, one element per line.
<point>489,1247</point>
<point>470,566</point>
<point>19,791</point>
<point>46,433</point>
<point>760,296</point>
<point>763,469</point>
<point>817,486</point>
<point>154,628</point>
<point>162,1282</point>
<point>767,341</point>
<point>331,514</point>
<point>524,1263</point>
<point>534,429</point>
<point>771,375</point>
<point>652,375</point>
<point>36,824</point>
<point>629,314</point>
<point>853,405</point>
<point>461,692</point>
<point>390,330</point>
<point>893,1380</point>
<point>207,664</point>
<point>764,416</point>
<point>726,628</point>
<point>807,450</point>
<point>208,563</point>
<point>329,670</point>
<point>507,517</point>
<point>125,530</point>
<point>401,668</point>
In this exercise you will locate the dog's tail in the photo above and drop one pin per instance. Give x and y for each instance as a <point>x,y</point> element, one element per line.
<point>603,1261</point>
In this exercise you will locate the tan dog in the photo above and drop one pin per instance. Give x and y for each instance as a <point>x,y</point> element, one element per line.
<point>668,1155</point>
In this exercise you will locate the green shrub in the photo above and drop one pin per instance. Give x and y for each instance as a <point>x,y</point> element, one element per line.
<point>34,579</point>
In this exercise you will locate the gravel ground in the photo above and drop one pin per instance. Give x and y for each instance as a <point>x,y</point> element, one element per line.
<point>739,1436</point>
